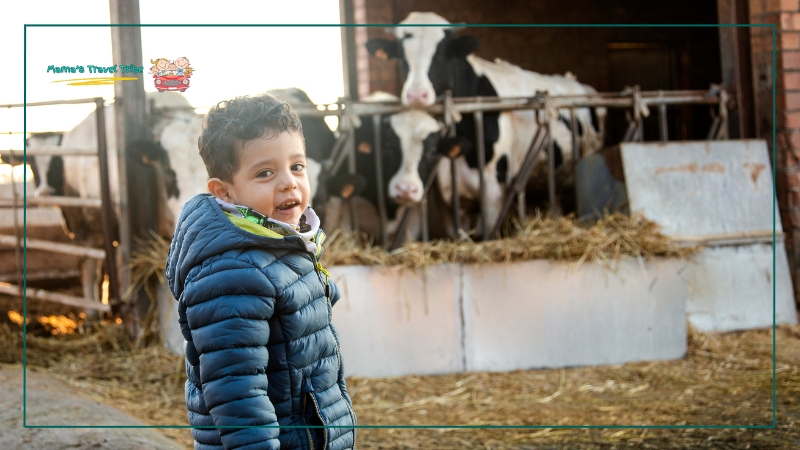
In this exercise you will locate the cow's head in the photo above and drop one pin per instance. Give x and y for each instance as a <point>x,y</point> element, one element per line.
<point>425,54</point>
<point>417,136</point>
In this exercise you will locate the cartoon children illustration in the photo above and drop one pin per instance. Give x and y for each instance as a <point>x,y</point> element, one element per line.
<point>183,67</point>
<point>161,65</point>
<point>172,68</point>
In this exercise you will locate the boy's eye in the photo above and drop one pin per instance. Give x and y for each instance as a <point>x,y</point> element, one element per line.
<point>298,167</point>
<point>264,173</point>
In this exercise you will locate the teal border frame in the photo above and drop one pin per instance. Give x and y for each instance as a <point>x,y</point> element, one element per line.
<point>774,424</point>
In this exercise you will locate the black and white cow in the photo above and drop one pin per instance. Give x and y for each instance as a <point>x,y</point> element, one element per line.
<point>435,60</point>
<point>409,142</point>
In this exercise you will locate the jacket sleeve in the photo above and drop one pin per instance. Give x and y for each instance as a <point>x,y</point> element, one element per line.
<point>335,293</point>
<point>228,307</point>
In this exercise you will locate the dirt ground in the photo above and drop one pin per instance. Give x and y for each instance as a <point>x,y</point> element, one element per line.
<point>724,383</point>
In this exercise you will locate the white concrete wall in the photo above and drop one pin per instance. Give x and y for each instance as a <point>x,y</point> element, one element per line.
<point>731,288</point>
<point>500,317</point>
<point>539,314</point>
<point>398,322</point>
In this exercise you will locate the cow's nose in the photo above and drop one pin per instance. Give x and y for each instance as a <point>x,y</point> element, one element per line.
<point>417,97</point>
<point>406,193</point>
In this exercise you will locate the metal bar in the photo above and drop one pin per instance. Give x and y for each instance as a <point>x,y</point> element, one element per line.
<point>481,166</point>
<point>640,129</point>
<point>662,123</point>
<point>455,204</point>
<point>54,200</point>
<point>712,130</point>
<point>423,218</point>
<point>107,215</point>
<point>551,170</point>
<point>378,154</point>
<point>56,247</point>
<point>485,104</point>
<point>351,168</point>
<point>521,179</point>
<point>573,121</point>
<point>64,299</point>
<point>334,160</point>
<point>52,102</point>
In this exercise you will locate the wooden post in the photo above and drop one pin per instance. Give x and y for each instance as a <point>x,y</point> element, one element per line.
<point>129,111</point>
<point>350,72</point>
<point>736,64</point>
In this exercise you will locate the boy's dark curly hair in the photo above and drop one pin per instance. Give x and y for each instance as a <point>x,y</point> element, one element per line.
<point>229,124</point>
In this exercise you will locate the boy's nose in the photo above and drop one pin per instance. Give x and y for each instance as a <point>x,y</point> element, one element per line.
<point>287,182</point>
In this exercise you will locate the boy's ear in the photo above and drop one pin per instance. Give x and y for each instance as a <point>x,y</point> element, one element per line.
<point>219,189</point>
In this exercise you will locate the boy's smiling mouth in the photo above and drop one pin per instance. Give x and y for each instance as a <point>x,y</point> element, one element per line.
<point>288,205</point>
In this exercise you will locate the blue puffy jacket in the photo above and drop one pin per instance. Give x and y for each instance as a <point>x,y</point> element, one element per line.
<point>260,346</point>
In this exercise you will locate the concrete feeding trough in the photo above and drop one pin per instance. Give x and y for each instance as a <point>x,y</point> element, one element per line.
<point>452,318</point>
<point>719,194</point>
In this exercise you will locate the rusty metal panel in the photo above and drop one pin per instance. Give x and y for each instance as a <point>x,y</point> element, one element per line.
<point>702,188</point>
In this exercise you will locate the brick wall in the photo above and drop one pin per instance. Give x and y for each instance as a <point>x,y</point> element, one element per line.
<point>582,51</point>
<point>785,15</point>
<point>374,74</point>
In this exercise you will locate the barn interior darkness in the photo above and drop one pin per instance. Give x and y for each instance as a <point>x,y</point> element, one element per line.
<point>608,58</point>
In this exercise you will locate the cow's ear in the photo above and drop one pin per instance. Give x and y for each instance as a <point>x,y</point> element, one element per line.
<point>464,45</point>
<point>383,48</point>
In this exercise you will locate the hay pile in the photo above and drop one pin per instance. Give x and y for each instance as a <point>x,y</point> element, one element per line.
<point>608,239</point>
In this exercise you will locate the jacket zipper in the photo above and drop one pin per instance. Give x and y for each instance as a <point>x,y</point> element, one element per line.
<point>320,270</point>
<point>319,414</point>
<point>308,432</point>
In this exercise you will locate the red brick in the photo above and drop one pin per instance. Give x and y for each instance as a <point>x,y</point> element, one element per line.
<point>794,140</point>
<point>756,7</point>
<point>788,199</point>
<point>788,100</point>
<point>772,5</point>
<point>789,59</point>
<point>790,5</point>
<point>788,180</point>
<point>789,120</point>
<point>789,81</point>
<point>789,40</point>
<point>790,21</point>
<point>793,216</point>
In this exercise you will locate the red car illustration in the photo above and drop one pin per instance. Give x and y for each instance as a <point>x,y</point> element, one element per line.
<point>171,83</point>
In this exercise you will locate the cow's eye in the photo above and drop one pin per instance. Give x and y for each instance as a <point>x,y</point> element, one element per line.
<point>408,36</point>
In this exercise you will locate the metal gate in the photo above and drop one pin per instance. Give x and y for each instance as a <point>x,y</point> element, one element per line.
<point>637,104</point>
<point>20,241</point>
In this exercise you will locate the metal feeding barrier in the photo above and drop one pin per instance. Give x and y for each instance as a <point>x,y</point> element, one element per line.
<point>21,242</point>
<point>637,102</point>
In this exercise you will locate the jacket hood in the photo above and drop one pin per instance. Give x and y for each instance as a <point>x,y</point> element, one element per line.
<point>204,231</point>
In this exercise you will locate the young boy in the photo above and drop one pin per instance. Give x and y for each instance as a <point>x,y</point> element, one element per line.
<point>255,304</point>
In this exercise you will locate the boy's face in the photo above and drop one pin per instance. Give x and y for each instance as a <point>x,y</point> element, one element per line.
<point>271,178</point>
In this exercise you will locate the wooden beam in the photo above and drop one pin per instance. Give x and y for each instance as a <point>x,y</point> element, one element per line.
<point>736,63</point>
<point>131,125</point>
<point>56,247</point>
<point>350,72</point>
<point>64,299</point>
